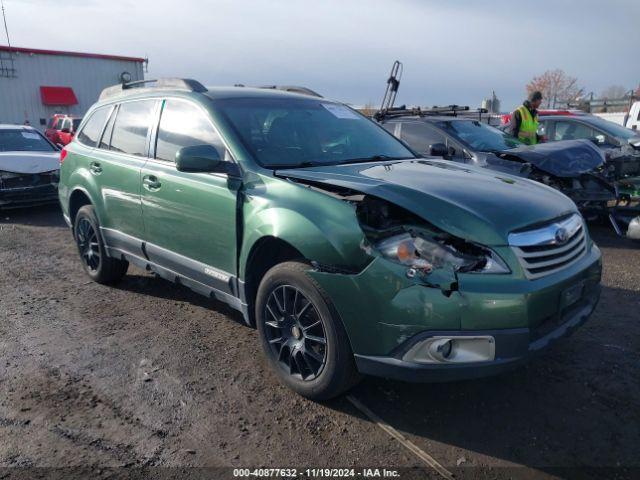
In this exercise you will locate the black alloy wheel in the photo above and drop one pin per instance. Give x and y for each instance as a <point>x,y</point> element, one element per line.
<point>97,263</point>
<point>295,333</point>
<point>87,240</point>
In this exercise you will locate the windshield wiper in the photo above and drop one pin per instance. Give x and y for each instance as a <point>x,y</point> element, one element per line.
<point>373,158</point>
<point>295,165</point>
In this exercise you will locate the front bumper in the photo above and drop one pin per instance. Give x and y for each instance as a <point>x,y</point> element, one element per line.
<point>385,314</point>
<point>28,196</point>
<point>513,347</point>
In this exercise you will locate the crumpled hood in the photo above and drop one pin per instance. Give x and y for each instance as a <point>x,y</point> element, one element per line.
<point>469,202</point>
<point>566,158</point>
<point>29,162</point>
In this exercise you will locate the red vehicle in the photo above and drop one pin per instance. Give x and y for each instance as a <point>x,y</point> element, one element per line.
<point>62,128</point>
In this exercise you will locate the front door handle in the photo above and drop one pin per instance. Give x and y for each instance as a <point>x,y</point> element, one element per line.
<point>150,182</point>
<point>95,168</point>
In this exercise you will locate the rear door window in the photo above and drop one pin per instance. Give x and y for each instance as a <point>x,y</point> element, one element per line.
<point>131,127</point>
<point>572,131</point>
<point>420,136</point>
<point>93,128</point>
<point>183,124</point>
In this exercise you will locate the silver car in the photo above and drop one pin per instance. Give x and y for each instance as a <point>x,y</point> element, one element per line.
<point>29,167</point>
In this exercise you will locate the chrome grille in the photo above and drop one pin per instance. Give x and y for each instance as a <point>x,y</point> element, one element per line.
<point>551,248</point>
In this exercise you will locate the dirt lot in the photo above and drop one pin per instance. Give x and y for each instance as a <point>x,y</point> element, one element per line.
<point>152,375</point>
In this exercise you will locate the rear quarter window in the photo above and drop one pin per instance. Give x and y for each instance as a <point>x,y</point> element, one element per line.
<point>93,128</point>
<point>131,127</point>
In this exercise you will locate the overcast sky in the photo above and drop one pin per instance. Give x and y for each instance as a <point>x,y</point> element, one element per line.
<point>453,52</point>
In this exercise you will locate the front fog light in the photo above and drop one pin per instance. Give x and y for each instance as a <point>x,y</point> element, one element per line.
<point>453,349</point>
<point>444,349</point>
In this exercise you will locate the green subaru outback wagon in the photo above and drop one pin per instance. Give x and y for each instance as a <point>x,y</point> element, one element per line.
<point>349,253</point>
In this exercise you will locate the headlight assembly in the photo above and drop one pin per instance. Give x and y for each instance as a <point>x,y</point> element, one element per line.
<point>7,175</point>
<point>426,255</point>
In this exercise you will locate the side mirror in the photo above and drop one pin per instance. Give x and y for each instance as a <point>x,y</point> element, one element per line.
<point>203,159</point>
<point>438,150</point>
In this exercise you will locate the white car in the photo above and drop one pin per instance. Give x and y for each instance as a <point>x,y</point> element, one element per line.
<point>29,167</point>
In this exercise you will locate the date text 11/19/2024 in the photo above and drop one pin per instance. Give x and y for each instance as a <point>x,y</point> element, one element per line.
<point>316,473</point>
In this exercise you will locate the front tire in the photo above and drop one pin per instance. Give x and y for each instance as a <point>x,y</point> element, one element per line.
<point>301,334</point>
<point>100,267</point>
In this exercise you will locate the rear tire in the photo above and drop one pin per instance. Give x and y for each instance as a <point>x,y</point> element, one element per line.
<point>301,334</point>
<point>100,267</point>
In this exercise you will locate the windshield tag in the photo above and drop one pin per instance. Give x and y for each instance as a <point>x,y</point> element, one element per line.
<point>340,111</point>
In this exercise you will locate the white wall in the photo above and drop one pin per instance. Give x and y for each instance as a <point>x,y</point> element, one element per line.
<point>20,96</point>
<point>615,117</point>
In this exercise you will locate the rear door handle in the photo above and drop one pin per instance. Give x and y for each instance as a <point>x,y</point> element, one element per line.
<point>150,182</point>
<point>95,168</point>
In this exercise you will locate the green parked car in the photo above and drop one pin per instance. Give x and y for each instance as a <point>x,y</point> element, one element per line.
<point>350,253</point>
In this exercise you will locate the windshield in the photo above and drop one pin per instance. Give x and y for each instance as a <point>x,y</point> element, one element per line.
<point>21,140</point>
<point>480,136</point>
<point>614,129</point>
<point>293,132</point>
<point>76,123</point>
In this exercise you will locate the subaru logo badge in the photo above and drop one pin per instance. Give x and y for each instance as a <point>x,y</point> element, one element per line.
<point>562,235</point>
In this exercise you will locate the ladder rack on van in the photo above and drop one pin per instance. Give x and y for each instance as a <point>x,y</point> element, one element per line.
<point>186,84</point>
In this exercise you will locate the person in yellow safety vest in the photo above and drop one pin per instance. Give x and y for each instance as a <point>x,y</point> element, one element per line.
<point>524,120</point>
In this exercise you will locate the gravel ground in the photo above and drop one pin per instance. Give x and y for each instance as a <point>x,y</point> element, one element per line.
<point>150,375</point>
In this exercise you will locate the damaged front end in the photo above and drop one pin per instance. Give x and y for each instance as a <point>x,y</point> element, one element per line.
<point>575,167</point>
<point>431,297</point>
<point>623,168</point>
<point>589,191</point>
<point>429,254</point>
<point>19,189</point>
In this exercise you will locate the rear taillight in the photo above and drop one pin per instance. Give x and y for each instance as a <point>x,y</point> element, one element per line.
<point>63,155</point>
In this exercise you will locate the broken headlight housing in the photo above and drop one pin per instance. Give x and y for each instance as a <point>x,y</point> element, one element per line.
<point>426,255</point>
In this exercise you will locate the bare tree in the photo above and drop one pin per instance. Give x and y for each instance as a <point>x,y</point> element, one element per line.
<point>368,109</point>
<point>614,91</point>
<point>556,86</point>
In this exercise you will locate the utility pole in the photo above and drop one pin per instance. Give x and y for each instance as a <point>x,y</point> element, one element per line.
<point>6,30</point>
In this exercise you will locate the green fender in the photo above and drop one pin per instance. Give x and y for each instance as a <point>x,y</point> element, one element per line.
<point>324,229</point>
